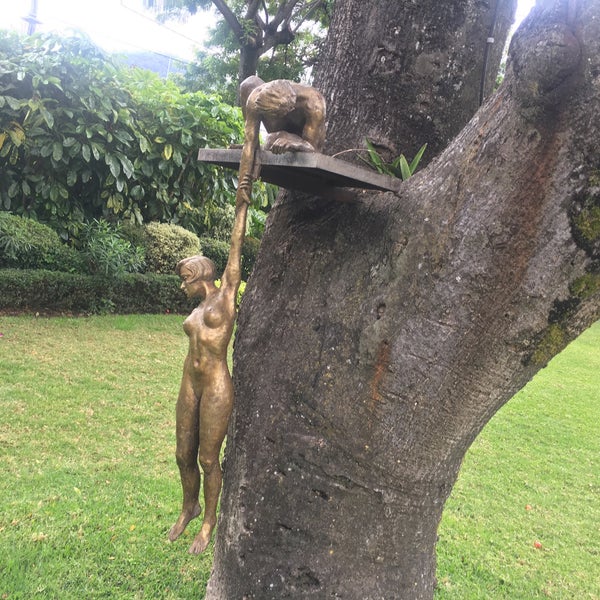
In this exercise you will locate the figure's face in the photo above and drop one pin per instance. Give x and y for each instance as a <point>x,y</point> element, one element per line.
<point>192,288</point>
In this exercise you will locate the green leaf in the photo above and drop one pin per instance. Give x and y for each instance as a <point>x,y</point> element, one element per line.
<point>57,151</point>
<point>374,157</point>
<point>145,145</point>
<point>47,116</point>
<point>404,168</point>
<point>137,192</point>
<point>86,153</point>
<point>14,103</point>
<point>417,159</point>
<point>167,151</point>
<point>113,165</point>
<point>17,134</point>
<point>128,167</point>
<point>13,189</point>
<point>96,150</point>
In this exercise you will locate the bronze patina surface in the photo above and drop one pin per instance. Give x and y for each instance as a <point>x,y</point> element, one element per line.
<point>293,115</point>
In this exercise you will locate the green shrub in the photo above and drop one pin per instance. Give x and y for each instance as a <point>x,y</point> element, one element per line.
<point>134,233</point>
<point>56,292</point>
<point>217,251</point>
<point>27,244</point>
<point>166,245</point>
<point>222,223</point>
<point>249,254</point>
<point>83,138</point>
<point>107,252</point>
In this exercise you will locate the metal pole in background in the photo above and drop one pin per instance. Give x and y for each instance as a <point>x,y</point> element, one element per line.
<point>31,18</point>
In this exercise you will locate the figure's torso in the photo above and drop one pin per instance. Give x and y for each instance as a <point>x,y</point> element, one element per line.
<point>209,328</point>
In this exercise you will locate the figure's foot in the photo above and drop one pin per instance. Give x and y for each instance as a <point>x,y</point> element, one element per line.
<point>184,518</point>
<point>202,540</point>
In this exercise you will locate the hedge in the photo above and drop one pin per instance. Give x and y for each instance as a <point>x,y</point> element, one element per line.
<point>218,252</point>
<point>58,292</point>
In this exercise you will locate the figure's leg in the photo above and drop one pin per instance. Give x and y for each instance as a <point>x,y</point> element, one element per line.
<point>215,410</point>
<point>187,455</point>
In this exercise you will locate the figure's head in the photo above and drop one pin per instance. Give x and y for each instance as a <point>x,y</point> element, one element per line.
<point>197,275</point>
<point>196,267</point>
<point>274,99</point>
<point>247,87</point>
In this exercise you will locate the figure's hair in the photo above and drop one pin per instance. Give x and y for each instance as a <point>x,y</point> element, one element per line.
<point>247,87</point>
<point>276,98</point>
<point>200,266</point>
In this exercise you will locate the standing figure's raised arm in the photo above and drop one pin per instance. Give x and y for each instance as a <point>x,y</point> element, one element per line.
<point>248,167</point>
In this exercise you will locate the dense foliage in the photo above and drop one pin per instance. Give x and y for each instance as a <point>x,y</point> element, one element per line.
<point>38,271</point>
<point>217,70</point>
<point>276,39</point>
<point>83,139</point>
<point>166,245</point>
<point>27,244</point>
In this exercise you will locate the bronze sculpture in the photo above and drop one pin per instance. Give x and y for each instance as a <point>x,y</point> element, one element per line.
<point>292,113</point>
<point>294,116</point>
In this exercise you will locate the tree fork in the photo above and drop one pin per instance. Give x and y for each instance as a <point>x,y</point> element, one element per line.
<point>377,338</point>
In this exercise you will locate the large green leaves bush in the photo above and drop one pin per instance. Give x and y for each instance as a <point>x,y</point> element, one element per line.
<point>82,138</point>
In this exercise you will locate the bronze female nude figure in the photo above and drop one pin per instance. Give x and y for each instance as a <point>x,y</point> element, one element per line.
<point>206,394</point>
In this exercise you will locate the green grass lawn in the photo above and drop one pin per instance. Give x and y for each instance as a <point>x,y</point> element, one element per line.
<point>89,486</point>
<point>531,478</point>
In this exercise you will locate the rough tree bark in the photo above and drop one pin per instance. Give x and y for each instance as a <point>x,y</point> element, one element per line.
<point>406,73</point>
<point>377,338</point>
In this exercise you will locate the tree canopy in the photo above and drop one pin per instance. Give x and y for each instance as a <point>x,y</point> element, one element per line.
<point>276,39</point>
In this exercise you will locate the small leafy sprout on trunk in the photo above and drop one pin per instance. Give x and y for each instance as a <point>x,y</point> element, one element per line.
<point>399,167</point>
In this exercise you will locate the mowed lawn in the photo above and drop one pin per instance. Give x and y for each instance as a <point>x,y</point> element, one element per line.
<point>89,485</point>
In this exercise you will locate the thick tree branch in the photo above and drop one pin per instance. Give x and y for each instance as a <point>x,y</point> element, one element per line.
<point>252,9</point>
<point>313,7</point>
<point>231,19</point>
<point>283,14</point>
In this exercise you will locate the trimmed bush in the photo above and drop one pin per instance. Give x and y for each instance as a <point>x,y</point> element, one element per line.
<point>166,245</point>
<point>27,244</point>
<point>217,251</point>
<point>249,254</point>
<point>135,234</point>
<point>223,218</point>
<point>56,292</point>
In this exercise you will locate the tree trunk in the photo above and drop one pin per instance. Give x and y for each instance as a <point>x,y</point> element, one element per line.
<point>406,73</point>
<point>376,338</point>
<point>249,55</point>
